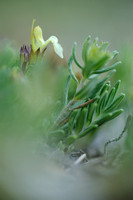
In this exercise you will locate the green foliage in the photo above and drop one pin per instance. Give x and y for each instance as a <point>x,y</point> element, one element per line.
<point>30,101</point>
<point>94,102</point>
<point>42,100</point>
<point>95,57</point>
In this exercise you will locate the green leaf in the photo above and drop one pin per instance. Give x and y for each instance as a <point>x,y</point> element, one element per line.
<point>115,103</point>
<point>106,69</point>
<point>87,130</point>
<point>95,89</point>
<point>74,56</point>
<point>71,139</point>
<point>116,113</point>
<point>115,53</point>
<point>71,121</point>
<point>81,120</point>
<point>104,118</point>
<point>86,46</point>
<point>104,46</point>
<point>101,103</point>
<point>101,62</point>
<point>117,85</point>
<point>91,111</point>
<point>92,87</point>
<point>103,100</point>
<point>67,89</point>
<point>105,88</point>
<point>95,42</point>
<point>110,96</point>
<point>112,93</point>
<point>70,68</point>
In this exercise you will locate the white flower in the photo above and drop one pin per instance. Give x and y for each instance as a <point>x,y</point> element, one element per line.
<point>37,41</point>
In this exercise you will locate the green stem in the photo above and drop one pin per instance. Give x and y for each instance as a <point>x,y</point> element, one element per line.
<point>64,113</point>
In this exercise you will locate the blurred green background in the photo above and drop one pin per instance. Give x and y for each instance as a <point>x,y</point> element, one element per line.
<point>22,170</point>
<point>70,21</point>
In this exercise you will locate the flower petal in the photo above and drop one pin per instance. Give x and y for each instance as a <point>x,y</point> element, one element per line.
<point>37,41</point>
<point>57,47</point>
<point>38,35</point>
<point>32,36</point>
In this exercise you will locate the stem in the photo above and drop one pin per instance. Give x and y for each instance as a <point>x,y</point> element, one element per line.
<point>84,104</point>
<point>64,113</point>
<point>64,121</point>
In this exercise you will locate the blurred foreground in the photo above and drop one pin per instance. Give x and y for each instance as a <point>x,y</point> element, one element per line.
<point>29,169</point>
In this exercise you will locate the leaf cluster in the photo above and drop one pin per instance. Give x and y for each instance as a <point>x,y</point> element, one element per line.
<point>94,101</point>
<point>62,112</point>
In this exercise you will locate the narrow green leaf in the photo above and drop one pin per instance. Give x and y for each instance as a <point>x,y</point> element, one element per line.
<point>104,46</point>
<point>76,118</point>
<point>110,97</point>
<point>71,139</point>
<point>71,121</point>
<point>70,68</point>
<point>103,100</point>
<point>115,103</point>
<point>87,130</point>
<point>100,63</point>
<point>91,111</point>
<point>95,41</point>
<point>67,89</point>
<point>92,87</point>
<point>104,118</point>
<point>117,85</point>
<point>86,109</point>
<point>116,113</point>
<point>81,120</point>
<point>105,88</point>
<point>115,53</point>
<point>86,46</point>
<point>107,69</point>
<point>112,93</point>
<point>74,56</point>
<point>99,85</point>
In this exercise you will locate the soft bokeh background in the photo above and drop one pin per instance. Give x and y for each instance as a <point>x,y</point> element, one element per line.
<point>24,172</point>
<point>70,21</point>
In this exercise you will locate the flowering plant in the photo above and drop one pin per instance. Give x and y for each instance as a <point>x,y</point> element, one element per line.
<point>65,108</point>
